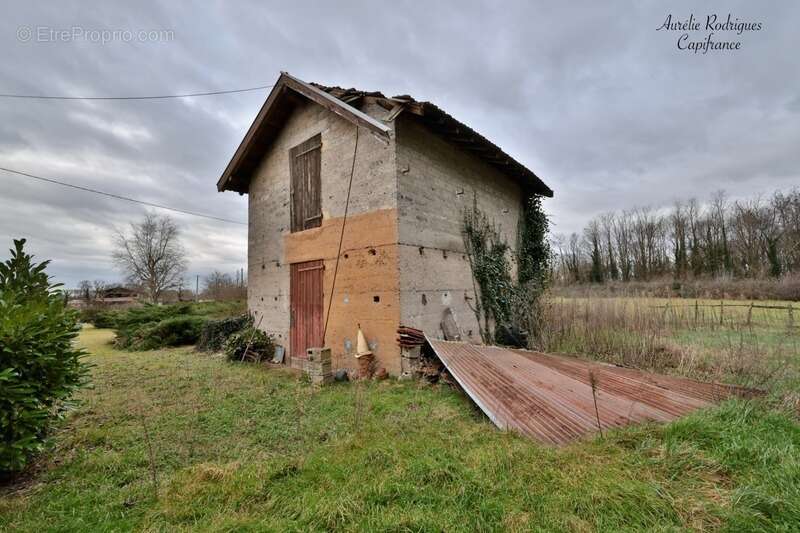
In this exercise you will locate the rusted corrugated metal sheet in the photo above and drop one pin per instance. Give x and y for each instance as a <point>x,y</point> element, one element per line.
<point>549,397</point>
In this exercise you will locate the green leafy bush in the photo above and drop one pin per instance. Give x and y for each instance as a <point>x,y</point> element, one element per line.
<point>40,367</point>
<point>135,323</point>
<point>174,331</point>
<point>99,317</point>
<point>156,326</point>
<point>258,342</point>
<point>216,332</point>
<point>88,314</point>
<point>105,319</point>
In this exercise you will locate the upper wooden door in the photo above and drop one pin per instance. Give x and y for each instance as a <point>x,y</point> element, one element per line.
<point>304,167</point>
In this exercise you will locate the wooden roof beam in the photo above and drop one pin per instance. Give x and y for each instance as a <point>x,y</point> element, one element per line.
<point>333,104</point>
<point>264,120</point>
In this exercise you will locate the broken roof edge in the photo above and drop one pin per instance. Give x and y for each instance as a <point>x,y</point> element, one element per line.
<point>451,129</point>
<point>287,81</point>
<point>336,100</point>
<point>470,140</point>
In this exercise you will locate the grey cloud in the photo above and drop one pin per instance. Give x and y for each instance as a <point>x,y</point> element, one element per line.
<point>589,95</point>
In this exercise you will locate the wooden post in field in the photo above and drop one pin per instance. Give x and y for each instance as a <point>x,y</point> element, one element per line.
<point>749,314</point>
<point>791,316</point>
<point>721,310</point>
<point>696,312</point>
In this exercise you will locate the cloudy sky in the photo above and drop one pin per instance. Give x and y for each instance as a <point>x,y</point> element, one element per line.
<point>605,108</point>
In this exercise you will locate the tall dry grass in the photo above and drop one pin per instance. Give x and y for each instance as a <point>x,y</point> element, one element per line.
<point>684,339</point>
<point>616,331</point>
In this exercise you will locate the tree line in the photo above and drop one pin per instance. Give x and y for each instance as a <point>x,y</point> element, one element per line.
<point>752,238</point>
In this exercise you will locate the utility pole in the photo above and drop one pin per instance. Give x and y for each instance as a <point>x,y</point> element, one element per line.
<point>197,288</point>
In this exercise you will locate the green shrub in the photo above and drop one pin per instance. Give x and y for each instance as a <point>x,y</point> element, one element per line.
<point>216,332</point>
<point>88,314</point>
<point>40,367</point>
<point>105,319</point>
<point>133,324</point>
<point>258,341</point>
<point>99,317</point>
<point>156,326</point>
<point>174,331</point>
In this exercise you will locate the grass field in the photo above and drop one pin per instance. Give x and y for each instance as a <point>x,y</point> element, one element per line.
<point>244,448</point>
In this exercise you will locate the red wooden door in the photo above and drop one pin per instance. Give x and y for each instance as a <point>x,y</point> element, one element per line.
<point>305,294</point>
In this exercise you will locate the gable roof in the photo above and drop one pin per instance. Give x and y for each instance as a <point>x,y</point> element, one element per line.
<point>288,91</point>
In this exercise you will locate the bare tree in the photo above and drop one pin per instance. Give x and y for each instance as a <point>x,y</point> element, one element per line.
<point>717,232</point>
<point>622,239</point>
<point>607,222</point>
<point>787,211</point>
<point>151,255</point>
<point>680,222</point>
<point>574,255</point>
<point>594,246</point>
<point>695,253</point>
<point>98,288</point>
<point>218,285</point>
<point>85,289</point>
<point>748,224</point>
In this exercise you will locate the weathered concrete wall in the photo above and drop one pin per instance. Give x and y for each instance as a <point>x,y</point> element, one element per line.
<point>368,266</point>
<point>402,258</point>
<point>436,182</point>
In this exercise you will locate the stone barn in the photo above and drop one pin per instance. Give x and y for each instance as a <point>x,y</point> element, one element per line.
<point>356,205</point>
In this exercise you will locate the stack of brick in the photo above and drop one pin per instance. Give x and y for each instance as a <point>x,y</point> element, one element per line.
<point>410,362</point>
<point>319,366</point>
<point>410,341</point>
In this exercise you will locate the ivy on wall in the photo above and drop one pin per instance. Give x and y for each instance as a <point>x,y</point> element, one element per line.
<point>533,250</point>
<point>504,305</point>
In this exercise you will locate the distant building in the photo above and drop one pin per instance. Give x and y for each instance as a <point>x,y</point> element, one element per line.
<point>117,295</point>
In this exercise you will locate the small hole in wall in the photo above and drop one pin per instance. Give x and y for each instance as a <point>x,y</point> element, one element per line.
<point>276,298</point>
<point>372,251</point>
<point>421,250</point>
<point>262,298</point>
<point>424,299</point>
<point>277,263</point>
<point>346,256</point>
<point>376,299</point>
<point>263,266</point>
<point>469,333</point>
<point>444,254</point>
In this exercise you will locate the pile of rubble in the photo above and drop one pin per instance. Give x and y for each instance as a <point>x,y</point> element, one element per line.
<point>416,362</point>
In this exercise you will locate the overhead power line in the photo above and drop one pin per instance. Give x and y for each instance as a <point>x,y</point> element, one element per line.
<point>119,197</point>
<point>148,97</point>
